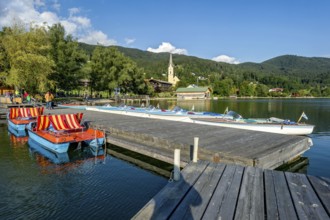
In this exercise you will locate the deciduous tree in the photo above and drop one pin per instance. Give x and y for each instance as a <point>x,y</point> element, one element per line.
<point>28,55</point>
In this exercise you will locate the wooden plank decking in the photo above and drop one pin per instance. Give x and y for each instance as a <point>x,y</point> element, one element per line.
<point>218,191</point>
<point>3,116</point>
<point>158,139</point>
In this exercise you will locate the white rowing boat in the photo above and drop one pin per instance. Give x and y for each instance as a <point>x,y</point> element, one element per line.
<point>272,125</point>
<point>229,119</point>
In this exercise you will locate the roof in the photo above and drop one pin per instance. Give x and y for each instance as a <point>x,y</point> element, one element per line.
<point>195,89</point>
<point>160,81</point>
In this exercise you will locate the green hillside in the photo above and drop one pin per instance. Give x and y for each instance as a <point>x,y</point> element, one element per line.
<point>156,63</point>
<point>293,73</point>
<point>291,65</point>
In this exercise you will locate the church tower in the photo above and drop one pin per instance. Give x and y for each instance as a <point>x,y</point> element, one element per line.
<point>171,78</point>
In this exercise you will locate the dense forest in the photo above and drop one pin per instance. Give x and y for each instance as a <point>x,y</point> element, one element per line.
<point>42,58</point>
<point>298,76</point>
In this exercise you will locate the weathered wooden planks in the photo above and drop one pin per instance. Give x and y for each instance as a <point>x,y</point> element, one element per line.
<point>233,192</point>
<point>250,203</point>
<point>306,201</point>
<point>223,202</point>
<point>279,204</point>
<point>167,200</point>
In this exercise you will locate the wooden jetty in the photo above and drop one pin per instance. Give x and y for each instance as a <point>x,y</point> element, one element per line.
<point>158,139</point>
<point>3,116</point>
<point>218,191</point>
<point>16,105</point>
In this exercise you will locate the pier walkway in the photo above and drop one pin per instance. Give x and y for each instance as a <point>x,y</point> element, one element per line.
<point>158,138</point>
<point>218,191</point>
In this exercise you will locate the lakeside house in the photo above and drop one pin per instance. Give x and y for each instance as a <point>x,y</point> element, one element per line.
<point>160,85</point>
<point>193,93</point>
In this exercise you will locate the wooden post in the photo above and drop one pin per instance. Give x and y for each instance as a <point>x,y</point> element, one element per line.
<point>105,144</point>
<point>176,169</point>
<point>97,147</point>
<point>195,152</point>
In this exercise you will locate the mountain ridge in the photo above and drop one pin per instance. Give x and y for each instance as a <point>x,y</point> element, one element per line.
<point>155,64</point>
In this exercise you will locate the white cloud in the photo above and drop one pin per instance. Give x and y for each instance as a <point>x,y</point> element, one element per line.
<point>35,12</point>
<point>49,17</point>
<point>129,41</point>
<point>17,11</point>
<point>167,47</point>
<point>97,37</point>
<point>56,5</point>
<point>70,27</point>
<point>74,11</point>
<point>39,3</point>
<point>226,59</point>
<point>83,21</point>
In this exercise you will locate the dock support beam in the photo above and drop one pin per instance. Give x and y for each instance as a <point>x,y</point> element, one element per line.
<point>176,170</point>
<point>195,152</point>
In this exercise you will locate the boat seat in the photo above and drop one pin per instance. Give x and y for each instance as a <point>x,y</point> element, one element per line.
<point>23,112</point>
<point>13,113</point>
<point>34,112</point>
<point>72,122</point>
<point>58,123</point>
<point>43,122</point>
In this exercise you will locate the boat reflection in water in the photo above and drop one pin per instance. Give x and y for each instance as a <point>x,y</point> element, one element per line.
<point>17,138</point>
<point>17,141</point>
<point>57,158</point>
<point>73,158</point>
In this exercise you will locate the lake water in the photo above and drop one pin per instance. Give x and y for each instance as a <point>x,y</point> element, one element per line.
<point>34,187</point>
<point>317,110</point>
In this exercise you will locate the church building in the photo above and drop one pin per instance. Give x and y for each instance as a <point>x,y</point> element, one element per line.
<point>172,80</point>
<point>171,76</point>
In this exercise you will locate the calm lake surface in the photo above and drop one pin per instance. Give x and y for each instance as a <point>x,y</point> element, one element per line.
<point>34,187</point>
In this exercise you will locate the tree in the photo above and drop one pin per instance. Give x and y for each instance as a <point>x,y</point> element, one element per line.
<point>224,87</point>
<point>261,90</point>
<point>68,58</point>
<point>4,60</point>
<point>326,92</point>
<point>28,55</point>
<point>247,89</point>
<point>110,69</point>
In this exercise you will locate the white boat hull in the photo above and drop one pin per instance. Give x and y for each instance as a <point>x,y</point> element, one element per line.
<point>144,114</point>
<point>300,129</point>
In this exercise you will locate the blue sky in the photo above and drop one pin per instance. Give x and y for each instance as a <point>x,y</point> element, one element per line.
<point>231,31</point>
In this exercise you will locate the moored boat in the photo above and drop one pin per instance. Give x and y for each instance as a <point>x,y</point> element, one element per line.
<point>272,125</point>
<point>175,114</point>
<point>17,133</point>
<point>228,119</point>
<point>74,106</point>
<point>54,157</point>
<point>19,118</point>
<point>68,160</point>
<point>58,132</point>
